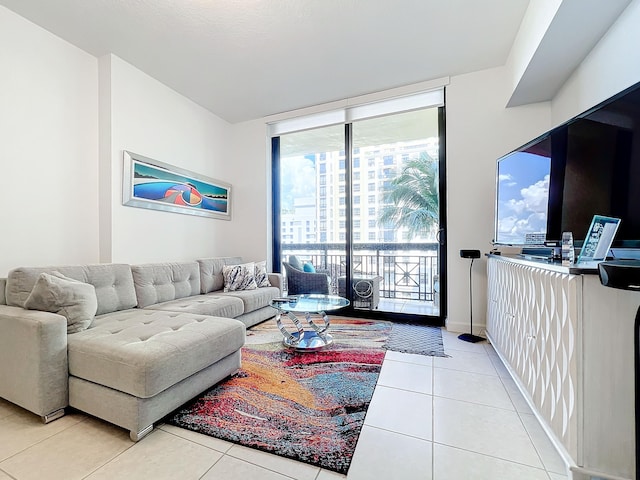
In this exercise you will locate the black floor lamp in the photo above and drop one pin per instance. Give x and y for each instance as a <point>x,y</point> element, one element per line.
<point>470,337</point>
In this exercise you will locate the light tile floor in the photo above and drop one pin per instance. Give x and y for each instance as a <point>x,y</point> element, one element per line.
<point>453,418</point>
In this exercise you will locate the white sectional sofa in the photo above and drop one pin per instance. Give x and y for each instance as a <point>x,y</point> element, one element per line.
<point>162,334</point>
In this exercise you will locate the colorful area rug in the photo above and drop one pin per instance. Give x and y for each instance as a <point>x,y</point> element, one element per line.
<point>306,406</point>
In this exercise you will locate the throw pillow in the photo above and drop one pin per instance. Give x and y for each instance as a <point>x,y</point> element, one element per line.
<point>74,300</point>
<point>239,277</point>
<point>262,277</point>
<point>308,267</point>
<point>295,262</point>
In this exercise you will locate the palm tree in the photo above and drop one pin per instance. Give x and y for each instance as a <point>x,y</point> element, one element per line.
<point>412,198</point>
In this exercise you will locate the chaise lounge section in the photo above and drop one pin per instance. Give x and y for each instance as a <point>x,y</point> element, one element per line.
<point>156,341</point>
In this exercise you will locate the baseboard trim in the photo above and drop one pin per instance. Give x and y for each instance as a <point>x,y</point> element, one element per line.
<point>463,327</point>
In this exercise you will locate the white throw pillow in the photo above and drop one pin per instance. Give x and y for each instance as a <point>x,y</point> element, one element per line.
<point>74,300</point>
<point>239,277</point>
<point>262,277</point>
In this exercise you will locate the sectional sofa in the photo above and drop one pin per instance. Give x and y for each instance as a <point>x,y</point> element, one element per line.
<point>162,334</point>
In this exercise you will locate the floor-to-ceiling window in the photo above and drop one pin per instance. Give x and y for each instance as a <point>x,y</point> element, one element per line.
<point>362,201</point>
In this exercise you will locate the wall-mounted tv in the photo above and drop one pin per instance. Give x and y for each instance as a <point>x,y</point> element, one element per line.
<point>523,195</point>
<point>588,166</point>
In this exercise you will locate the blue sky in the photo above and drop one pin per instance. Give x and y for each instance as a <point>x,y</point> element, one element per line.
<point>523,192</point>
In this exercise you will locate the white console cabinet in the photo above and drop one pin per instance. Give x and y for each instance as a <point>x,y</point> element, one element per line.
<point>568,343</point>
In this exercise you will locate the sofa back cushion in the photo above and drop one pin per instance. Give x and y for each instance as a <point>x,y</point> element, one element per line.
<point>113,283</point>
<point>162,282</point>
<point>211,278</point>
<point>3,286</point>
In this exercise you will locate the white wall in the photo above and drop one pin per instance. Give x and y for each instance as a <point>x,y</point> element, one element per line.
<point>249,168</point>
<point>48,148</point>
<point>479,131</point>
<point>612,66</point>
<point>150,119</point>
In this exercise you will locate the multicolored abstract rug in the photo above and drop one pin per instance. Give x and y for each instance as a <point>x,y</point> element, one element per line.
<point>306,406</point>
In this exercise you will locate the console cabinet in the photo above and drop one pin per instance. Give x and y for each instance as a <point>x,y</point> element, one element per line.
<point>568,343</point>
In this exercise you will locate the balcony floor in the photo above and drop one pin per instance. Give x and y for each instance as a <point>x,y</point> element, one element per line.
<point>400,305</point>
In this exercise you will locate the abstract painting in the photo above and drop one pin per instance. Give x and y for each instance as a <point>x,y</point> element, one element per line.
<point>160,186</point>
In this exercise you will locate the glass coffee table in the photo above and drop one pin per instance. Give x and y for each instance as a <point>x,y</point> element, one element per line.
<point>307,340</point>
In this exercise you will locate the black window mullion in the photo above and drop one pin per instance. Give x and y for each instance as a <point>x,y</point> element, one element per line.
<point>275,208</point>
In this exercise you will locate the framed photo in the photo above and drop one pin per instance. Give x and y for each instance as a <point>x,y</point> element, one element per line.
<point>599,238</point>
<point>151,184</point>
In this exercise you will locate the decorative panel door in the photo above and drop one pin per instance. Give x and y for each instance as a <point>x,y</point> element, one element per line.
<point>533,319</point>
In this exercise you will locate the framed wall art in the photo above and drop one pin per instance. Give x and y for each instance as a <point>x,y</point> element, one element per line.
<point>152,184</point>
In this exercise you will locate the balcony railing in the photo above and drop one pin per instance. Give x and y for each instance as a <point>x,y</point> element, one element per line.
<point>409,270</point>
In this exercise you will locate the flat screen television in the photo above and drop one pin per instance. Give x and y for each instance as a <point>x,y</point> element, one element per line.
<point>523,195</point>
<point>557,182</point>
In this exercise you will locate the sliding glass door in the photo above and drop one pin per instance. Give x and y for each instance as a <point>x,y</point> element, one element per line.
<point>310,201</point>
<point>361,202</point>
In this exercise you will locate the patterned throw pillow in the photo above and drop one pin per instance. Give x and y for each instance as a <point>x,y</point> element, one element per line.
<point>262,278</point>
<point>239,277</point>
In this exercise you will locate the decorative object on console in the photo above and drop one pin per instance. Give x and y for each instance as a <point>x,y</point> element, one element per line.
<point>568,252</point>
<point>599,238</point>
<point>152,184</point>
<point>470,337</point>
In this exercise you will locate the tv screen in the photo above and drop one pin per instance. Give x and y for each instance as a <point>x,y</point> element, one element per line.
<point>523,196</point>
<point>588,166</point>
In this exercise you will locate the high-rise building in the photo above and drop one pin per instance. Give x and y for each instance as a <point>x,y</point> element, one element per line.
<point>373,169</point>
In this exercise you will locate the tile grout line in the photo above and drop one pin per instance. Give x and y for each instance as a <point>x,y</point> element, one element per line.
<point>433,423</point>
<point>493,456</point>
<point>43,439</point>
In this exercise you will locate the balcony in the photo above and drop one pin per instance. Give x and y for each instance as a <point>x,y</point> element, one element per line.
<point>409,271</point>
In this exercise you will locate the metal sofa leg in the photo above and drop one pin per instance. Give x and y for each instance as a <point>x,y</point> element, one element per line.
<point>135,436</point>
<point>50,417</point>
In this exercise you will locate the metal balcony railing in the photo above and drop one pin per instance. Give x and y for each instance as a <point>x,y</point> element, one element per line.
<point>409,270</point>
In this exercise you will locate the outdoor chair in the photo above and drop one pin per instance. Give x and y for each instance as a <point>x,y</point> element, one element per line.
<point>301,282</point>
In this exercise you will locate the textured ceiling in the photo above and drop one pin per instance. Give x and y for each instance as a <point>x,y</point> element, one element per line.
<point>252,58</point>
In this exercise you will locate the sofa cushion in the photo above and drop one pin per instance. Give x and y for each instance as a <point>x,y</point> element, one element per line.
<point>143,352</point>
<point>74,300</point>
<point>295,262</point>
<point>239,277</point>
<point>113,283</point>
<point>209,304</point>
<point>3,286</point>
<point>162,282</point>
<point>262,277</point>
<point>211,278</point>
<point>254,299</point>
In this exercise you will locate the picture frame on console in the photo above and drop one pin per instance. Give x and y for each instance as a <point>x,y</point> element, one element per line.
<point>599,238</point>
<point>151,184</point>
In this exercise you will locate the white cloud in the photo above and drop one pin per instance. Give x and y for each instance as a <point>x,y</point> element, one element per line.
<point>527,214</point>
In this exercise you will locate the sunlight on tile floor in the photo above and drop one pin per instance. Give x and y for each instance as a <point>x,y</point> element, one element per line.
<point>430,418</point>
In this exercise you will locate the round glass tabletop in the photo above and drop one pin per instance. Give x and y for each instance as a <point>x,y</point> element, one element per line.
<point>312,303</point>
